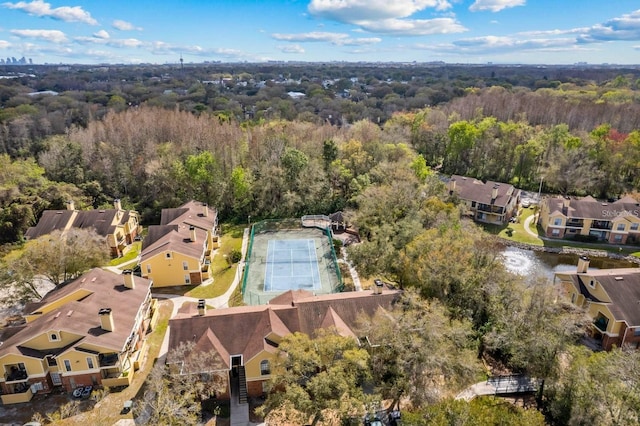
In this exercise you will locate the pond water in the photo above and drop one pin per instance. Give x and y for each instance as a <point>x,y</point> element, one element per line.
<point>538,263</point>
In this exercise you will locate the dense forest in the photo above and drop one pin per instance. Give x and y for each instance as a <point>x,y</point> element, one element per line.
<point>375,142</point>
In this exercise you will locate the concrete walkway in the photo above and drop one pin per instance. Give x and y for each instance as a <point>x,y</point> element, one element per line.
<point>352,271</point>
<point>239,413</point>
<point>527,223</point>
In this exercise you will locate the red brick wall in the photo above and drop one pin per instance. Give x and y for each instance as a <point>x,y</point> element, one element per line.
<point>254,388</point>
<point>80,379</point>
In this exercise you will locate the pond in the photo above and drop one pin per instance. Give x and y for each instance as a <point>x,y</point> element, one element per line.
<point>532,263</point>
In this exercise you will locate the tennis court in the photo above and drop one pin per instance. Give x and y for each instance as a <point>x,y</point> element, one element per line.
<point>291,265</point>
<point>285,255</point>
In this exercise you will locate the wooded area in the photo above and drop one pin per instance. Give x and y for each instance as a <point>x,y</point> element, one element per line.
<point>375,144</point>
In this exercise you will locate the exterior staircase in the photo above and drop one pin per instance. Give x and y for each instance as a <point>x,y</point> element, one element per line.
<point>242,390</point>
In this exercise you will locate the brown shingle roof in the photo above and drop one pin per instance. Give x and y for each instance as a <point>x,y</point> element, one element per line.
<point>176,238</point>
<point>624,291</point>
<point>190,213</point>
<point>590,208</point>
<point>103,221</point>
<point>173,232</point>
<point>481,192</point>
<point>51,220</point>
<point>94,290</point>
<point>243,330</point>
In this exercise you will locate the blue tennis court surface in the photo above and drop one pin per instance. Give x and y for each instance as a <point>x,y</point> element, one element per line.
<point>291,265</point>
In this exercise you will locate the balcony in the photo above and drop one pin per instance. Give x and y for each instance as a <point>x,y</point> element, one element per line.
<point>109,360</point>
<point>575,223</point>
<point>601,323</point>
<point>490,209</point>
<point>117,378</point>
<point>20,393</point>
<point>16,375</point>
<point>601,224</point>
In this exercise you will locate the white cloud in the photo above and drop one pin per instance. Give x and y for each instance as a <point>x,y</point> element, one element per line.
<point>626,27</point>
<point>387,16</point>
<point>363,41</point>
<point>54,36</point>
<point>339,39</point>
<point>101,34</point>
<point>414,26</point>
<point>4,44</point>
<point>495,5</point>
<point>310,37</point>
<point>291,48</point>
<point>64,13</point>
<point>113,42</point>
<point>351,11</point>
<point>121,25</point>
<point>495,42</point>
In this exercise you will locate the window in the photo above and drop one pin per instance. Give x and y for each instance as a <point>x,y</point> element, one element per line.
<point>148,268</point>
<point>67,365</point>
<point>620,227</point>
<point>592,284</point>
<point>185,265</point>
<point>555,233</point>
<point>557,222</point>
<point>168,255</point>
<point>264,367</point>
<point>617,238</point>
<point>634,227</point>
<point>53,337</point>
<point>187,279</point>
<point>90,363</point>
<point>473,204</point>
<point>636,332</point>
<point>573,298</point>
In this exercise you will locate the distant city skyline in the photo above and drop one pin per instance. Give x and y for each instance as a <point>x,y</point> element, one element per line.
<point>453,31</point>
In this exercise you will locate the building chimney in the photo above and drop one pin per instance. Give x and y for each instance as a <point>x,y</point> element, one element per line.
<point>583,264</point>
<point>106,319</point>
<point>192,232</point>
<point>210,240</point>
<point>205,210</point>
<point>494,192</point>
<point>565,202</point>
<point>117,204</point>
<point>71,205</point>
<point>128,279</point>
<point>452,186</point>
<point>202,307</point>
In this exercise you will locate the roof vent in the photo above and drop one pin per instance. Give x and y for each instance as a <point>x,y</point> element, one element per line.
<point>619,278</point>
<point>69,313</point>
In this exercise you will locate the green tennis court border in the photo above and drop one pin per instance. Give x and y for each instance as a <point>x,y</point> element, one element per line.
<point>308,227</point>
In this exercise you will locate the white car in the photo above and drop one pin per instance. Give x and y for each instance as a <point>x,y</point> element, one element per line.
<point>525,203</point>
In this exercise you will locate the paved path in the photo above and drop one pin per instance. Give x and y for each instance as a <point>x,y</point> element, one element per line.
<point>526,224</point>
<point>352,271</point>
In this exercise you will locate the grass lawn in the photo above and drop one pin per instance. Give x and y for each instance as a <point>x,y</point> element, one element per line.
<point>128,258</point>
<point>515,231</point>
<point>223,274</point>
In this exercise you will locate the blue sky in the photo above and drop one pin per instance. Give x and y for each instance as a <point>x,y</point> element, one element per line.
<point>454,31</point>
